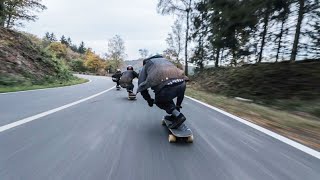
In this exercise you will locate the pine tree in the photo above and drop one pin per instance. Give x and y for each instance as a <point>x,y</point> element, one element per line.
<point>63,40</point>
<point>69,42</point>
<point>53,37</point>
<point>82,48</point>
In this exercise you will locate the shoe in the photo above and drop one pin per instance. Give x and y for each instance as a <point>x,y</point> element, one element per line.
<point>169,117</point>
<point>177,121</point>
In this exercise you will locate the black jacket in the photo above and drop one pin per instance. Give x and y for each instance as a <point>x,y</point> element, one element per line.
<point>158,72</point>
<point>128,76</point>
<point>117,75</point>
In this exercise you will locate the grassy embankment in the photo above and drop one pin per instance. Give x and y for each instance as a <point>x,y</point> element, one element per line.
<point>290,108</point>
<point>27,63</point>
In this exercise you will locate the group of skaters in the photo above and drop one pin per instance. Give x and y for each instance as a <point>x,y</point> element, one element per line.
<point>164,78</point>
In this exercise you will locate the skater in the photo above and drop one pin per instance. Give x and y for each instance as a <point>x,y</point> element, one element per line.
<point>116,78</point>
<point>167,82</point>
<point>126,80</point>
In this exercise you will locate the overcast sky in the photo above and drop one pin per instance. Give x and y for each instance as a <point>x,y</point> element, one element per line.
<point>96,21</point>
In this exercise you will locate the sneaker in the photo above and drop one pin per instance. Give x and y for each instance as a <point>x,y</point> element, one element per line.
<point>177,121</point>
<point>169,117</point>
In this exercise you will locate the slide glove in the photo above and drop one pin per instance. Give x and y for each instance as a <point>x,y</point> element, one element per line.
<point>150,102</point>
<point>178,108</point>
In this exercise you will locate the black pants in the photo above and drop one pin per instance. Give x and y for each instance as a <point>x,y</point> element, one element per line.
<point>118,84</point>
<point>130,87</point>
<point>164,98</point>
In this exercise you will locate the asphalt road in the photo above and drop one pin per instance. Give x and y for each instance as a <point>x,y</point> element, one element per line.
<point>109,137</point>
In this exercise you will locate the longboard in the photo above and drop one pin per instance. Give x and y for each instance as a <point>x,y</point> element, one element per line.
<point>118,88</point>
<point>132,97</point>
<point>183,132</point>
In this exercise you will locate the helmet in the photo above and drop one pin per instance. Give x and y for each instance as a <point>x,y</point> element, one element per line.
<point>129,67</point>
<point>118,70</point>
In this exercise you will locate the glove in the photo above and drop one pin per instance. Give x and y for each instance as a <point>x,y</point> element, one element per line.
<point>151,102</point>
<point>178,108</point>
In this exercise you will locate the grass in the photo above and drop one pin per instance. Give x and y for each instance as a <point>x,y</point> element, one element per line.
<point>53,84</point>
<point>301,127</point>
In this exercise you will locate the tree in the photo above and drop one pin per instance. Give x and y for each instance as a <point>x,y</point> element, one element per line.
<point>116,50</point>
<point>21,10</point>
<point>183,8</point>
<point>78,65</point>
<point>93,62</point>
<point>64,41</point>
<point>266,11</point>
<point>53,37</point>
<point>314,33</point>
<point>82,48</point>
<point>58,49</point>
<point>69,42</point>
<point>2,13</point>
<point>144,53</point>
<point>283,8</point>
<point>304,7</point>
<point>174,41</point>
<point>74,48</point>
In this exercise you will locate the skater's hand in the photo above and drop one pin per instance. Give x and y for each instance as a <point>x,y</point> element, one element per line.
<point>151,102</point>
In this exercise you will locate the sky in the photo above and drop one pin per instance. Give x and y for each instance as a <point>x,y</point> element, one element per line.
<point>97,21</point>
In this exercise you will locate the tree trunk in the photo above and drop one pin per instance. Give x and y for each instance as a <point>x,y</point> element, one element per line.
<point>264,33</point>
<point>280,39</point>
<point>187,40</point>
<point>2,13</point>
<point>8,22</point>
<point>216,64</point>
<point>298,31</point>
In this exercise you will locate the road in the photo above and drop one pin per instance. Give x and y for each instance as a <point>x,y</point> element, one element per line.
<point>109,137</point>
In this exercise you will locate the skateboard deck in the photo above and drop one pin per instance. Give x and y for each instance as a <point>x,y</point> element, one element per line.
<point>118,88</point>
<point>183,132</point>
<point>131,97</point>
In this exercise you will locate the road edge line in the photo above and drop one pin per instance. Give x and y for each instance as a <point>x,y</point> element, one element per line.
<point>46,113</point>
<point>279,137</point>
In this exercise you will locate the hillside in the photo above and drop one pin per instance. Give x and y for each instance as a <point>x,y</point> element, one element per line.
<point>292,86</point>
<point>23,62</point>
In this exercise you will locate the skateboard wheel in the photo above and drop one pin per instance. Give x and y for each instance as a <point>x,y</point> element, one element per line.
<point>172,138</point>
<point>190,139</point>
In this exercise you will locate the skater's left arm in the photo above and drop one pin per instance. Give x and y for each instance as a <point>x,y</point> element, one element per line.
<point>145,94</point>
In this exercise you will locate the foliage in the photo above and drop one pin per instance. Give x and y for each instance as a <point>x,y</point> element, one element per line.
<point>237,32</point>
<point>174,41</point>
<point>58,49</point>
<point>15,11</point>
<point>93,62</point>
<point>182,8</point>
<point>82,48</point>
<point>116,51</point>
<point>77,65</point>
<point>143,53</point>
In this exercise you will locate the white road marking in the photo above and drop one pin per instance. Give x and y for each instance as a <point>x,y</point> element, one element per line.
<point>290,142</point>
<point>35,117</point>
